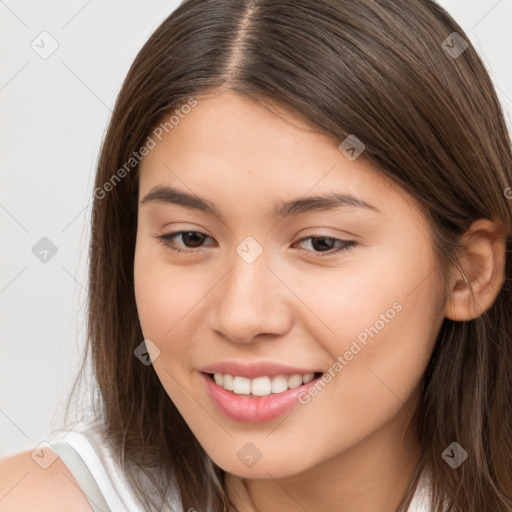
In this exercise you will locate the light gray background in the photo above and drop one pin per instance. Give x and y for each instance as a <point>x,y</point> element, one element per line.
<point>53,115</point>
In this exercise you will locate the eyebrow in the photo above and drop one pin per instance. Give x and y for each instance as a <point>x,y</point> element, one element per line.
<point>171,195</point>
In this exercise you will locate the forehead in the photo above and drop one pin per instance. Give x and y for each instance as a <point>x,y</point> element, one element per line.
<point>228,146</point>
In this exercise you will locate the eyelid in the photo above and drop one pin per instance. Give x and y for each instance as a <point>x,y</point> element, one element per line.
<point>167,237</point>
<point>345,245</point>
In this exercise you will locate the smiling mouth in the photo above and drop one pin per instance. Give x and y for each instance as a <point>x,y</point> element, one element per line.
<point>260,386</point>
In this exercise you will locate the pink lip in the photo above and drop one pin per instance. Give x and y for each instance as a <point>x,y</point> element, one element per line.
<point>253,370</point>
<point>254,409</point>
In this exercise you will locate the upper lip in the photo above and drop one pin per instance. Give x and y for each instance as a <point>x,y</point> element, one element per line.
<point>256,369</point>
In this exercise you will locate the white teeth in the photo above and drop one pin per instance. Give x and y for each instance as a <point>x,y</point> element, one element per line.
<point>308,377</point>
<point>227,382</point>
<point>241,385</point>
<point>294,381</point>
<point>279,384</point>
<point>260,386</point>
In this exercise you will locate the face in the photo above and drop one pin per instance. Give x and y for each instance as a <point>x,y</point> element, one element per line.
<point>348,293</point>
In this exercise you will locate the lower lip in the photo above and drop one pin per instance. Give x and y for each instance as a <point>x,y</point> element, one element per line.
<point>258,409</point>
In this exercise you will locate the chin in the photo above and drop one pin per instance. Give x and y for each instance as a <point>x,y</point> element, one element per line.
<point>281,466</point>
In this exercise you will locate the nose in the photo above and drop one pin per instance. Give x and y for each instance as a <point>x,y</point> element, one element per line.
<point>250,302</point>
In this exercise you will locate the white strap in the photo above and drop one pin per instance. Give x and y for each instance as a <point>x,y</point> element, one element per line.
<point>82,475</point>
<point>86,462</point>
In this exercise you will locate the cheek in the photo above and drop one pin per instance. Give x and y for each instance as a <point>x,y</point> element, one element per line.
<point>376,318</point>
<point>382,341</point>
<point>163,292</point>
<point>164,295</point>
<point>170,303</point>
<point>344,301</point>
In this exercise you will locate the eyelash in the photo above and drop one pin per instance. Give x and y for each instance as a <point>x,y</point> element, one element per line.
<point>345,244</point>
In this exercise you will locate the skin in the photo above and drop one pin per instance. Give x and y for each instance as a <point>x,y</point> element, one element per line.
<point>294,305</point>
<point>25,485</point>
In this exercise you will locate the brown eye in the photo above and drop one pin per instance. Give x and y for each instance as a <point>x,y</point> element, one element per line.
<point>190,239</point>
<point>326,244</point>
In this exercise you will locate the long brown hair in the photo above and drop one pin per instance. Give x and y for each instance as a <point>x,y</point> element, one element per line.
<point>430,120</point>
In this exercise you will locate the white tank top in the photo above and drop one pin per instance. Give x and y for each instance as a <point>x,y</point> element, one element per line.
<point>90,459</point>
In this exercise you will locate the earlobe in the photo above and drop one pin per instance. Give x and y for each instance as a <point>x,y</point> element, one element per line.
<point>483,262</point>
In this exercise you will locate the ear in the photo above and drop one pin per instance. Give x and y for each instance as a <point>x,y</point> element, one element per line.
<point>483,262</point>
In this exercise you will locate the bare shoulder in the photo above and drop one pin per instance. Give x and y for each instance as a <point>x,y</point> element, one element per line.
<point>26,486</point>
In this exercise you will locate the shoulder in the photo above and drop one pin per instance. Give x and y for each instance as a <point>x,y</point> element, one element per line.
<point>26,486</point>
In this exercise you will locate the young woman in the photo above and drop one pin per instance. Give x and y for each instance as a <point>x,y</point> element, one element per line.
<point>300,270</point>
